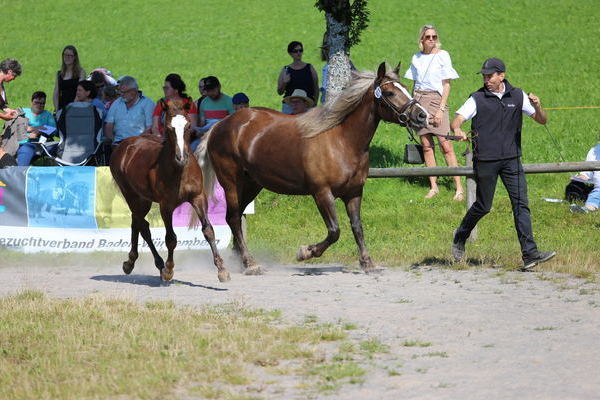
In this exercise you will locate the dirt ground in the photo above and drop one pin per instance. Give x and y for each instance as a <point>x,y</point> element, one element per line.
<point>492,334</point>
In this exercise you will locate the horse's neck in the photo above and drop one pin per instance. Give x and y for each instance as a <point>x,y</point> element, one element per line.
<point>166,159</point>
<point>360,125</point>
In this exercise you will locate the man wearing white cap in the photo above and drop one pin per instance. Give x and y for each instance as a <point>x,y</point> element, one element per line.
<point>299,101</point>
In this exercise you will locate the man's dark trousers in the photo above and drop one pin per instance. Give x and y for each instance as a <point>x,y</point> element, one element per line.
<point>513,178</point>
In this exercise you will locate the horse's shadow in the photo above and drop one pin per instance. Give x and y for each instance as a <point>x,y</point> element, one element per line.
<point>151,281</point>
<point>446,262</point>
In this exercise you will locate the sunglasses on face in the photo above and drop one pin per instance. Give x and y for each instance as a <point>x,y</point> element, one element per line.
<point>430,37</point>
<point>41,103</point>
<point>297,51</point>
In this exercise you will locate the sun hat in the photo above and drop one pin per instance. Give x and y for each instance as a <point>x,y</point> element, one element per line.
<point>299,94</point>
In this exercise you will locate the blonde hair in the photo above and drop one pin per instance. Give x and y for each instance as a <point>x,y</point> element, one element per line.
<point>422,31</point>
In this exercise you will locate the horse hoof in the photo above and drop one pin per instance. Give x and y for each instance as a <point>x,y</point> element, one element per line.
<point>128,267</point>
<point>224,276</point>
<point>166,274</point>
<point>303,253</point>
<point>255,270</point>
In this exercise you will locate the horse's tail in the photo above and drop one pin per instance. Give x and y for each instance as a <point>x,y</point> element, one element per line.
<point>208,172</point>
<point>208,176</point>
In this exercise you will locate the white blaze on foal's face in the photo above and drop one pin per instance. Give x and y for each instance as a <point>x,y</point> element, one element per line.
<point>178,123</point>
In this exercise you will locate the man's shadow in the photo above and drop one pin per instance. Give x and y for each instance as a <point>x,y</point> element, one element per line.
<point>151,281</point>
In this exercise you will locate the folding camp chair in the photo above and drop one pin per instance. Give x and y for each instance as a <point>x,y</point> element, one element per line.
<point>80,129</point>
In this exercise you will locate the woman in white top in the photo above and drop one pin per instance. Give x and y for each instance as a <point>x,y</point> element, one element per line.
<point>431,70</point>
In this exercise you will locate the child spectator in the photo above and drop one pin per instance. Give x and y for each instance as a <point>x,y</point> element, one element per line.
<point>37,118</point>
<point>240,100</point>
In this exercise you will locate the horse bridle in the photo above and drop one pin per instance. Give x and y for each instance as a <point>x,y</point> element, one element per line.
<point>402,112</point>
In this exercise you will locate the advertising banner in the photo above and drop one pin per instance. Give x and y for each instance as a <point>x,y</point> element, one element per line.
<point>80,209</point>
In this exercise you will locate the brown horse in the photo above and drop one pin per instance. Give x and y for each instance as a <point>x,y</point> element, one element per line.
<point>148,170</point>
<point>323,153</point>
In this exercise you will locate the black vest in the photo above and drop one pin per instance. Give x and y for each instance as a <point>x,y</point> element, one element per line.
<point>498,124</point>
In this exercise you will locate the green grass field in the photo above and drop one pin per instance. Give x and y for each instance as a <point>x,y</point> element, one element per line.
<point>549,47</point>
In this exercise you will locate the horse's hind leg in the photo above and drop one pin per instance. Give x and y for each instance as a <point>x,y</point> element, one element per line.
<point>326,204</point>
<point>133,253</point>
<point>234,220</point>
<point>200,206</point>
<point>353,210</point>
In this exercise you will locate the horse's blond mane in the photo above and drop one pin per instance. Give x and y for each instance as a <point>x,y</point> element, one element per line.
<point>321,119</point>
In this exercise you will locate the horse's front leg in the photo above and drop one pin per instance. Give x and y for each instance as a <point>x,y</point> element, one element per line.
<point>326,204</point>
<point>166,213</point>
<point>200,206</point>
<point>353,210</point>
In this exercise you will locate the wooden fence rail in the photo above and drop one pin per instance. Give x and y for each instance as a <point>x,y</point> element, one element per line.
<point>468,172</point>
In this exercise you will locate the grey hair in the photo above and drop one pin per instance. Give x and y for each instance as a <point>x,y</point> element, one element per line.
<point>422,31</point>
<point>321,119</point>
<point>10,64</point>
<point>129,82</point>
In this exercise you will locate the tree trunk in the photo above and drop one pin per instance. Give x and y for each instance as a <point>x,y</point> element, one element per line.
<point>338,75</point>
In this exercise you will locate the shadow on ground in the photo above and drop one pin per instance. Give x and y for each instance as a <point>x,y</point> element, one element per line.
<point>150,280</point>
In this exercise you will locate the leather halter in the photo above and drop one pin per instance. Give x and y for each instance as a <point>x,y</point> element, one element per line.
<point>402,112</point>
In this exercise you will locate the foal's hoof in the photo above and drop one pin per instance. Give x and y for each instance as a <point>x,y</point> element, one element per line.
<point>128,267</point>
<point>255,270</point>
<point>224,276</point>
<point>303,253</point>
<point>166,274</point>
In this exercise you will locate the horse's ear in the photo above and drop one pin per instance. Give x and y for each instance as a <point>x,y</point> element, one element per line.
<point>381,71</point>
<point>397,69</point>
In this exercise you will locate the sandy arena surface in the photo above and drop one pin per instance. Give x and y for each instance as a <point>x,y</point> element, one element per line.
<point>493,334</point>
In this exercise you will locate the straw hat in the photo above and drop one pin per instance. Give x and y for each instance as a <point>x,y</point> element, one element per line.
<point>299,94</point>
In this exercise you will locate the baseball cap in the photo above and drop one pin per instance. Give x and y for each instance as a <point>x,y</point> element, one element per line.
<point>240,98</point>
<point>492,65</point>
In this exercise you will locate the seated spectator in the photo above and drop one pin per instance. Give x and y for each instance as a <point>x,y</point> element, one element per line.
<point>240,100</point>
<point>109,95</point>
<point>214,107</point>
<point>86,92</point>
<point>299,101</point>
<point>593,200</point>
<point>129,115</point>
<point>174,89</point>
<point>37,117</point>
<point>202,91</point>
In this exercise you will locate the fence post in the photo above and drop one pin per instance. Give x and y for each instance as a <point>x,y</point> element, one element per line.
<point>471,189</point>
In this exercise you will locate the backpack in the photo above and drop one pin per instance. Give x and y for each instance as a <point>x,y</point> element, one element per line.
<point>578,191</point>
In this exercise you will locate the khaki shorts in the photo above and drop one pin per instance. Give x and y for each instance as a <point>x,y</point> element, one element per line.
<point>430,100</point>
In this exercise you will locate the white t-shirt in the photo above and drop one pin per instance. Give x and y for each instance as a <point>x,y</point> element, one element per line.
<point>429,70</point>
<point>594,155</point>
<point>469,109</point>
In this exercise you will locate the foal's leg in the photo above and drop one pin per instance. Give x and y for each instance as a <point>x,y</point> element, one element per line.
<point>326,204</point>
<point>138,212</point>
<point>200,206</point>
<point>144,228</point>
<point>353,210</point>
<point>166,212</point>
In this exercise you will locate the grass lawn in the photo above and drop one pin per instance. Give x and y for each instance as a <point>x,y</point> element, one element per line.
<point>549,49</point>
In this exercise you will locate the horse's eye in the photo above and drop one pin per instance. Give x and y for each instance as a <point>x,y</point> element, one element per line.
<point>388,94</point>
